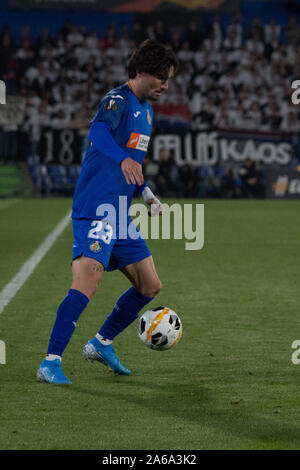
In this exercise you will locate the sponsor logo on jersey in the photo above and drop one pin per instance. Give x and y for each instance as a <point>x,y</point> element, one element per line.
<point>136,114</point>
<point>138,141</point>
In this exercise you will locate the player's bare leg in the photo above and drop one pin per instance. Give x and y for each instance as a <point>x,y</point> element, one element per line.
<point>143,277</point>
<point>87,274</point>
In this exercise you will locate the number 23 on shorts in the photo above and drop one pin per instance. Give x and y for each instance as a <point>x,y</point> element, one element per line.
<point>101,231</point>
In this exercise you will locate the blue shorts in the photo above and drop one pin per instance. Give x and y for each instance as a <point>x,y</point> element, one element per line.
<point>96,239</point>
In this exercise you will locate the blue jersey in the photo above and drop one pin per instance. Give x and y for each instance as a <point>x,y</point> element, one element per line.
<point>121,128</point>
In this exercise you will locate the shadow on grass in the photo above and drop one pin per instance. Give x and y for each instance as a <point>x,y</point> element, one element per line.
<point>196,404</point>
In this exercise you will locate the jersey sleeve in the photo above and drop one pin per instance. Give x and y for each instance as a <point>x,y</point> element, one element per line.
<point>102,139</point>
<point>111,110</point>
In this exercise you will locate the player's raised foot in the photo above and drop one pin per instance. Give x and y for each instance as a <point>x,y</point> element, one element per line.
<point>96,351</point>
<point>51,372</point>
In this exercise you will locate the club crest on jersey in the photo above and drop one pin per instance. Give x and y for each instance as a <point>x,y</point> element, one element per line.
<point>138,141</point>
<point>95,247</point>
<point>111,104</point>
<point>149,117</point>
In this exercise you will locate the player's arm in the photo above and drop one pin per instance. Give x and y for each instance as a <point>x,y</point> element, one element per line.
<point>102,139</point>
<point>107,118</point>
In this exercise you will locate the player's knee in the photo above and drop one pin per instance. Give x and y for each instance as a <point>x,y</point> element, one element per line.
<point>87,277</point>
<point>94,275</point>
<point>151,290</point>
<point>86,286</point>
<point>93,287</point>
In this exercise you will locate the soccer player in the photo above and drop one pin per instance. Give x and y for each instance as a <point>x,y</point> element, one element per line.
<point>112,169</point>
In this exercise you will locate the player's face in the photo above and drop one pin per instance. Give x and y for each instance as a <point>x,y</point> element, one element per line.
<point>153,87</point>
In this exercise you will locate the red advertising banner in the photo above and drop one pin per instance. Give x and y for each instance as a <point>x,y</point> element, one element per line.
<point>127,6</point>
<point>142,6</point>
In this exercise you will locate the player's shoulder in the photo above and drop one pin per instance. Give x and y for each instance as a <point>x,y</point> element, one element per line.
<point>112,106</point>
<point>118,93</point>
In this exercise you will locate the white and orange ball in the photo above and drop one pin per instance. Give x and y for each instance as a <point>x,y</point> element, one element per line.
<point>160,328</point>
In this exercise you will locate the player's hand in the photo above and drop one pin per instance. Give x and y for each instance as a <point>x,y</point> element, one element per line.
<point>156,207</point>
<point>132,171</point>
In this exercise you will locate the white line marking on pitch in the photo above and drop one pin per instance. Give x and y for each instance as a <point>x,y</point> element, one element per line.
<point>10,290</point>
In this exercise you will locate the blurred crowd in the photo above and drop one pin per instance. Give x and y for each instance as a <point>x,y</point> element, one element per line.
<point>167,179</point>
<point>238,77</point>
<point>234,77</point>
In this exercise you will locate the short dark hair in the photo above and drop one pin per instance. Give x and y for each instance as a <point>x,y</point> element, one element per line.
<point>154,58</point>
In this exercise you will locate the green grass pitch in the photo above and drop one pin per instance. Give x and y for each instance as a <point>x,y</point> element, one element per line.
<point>228,384</point>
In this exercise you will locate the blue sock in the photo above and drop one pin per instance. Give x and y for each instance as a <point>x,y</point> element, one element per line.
<point>67,315</point>
<point>124,313</point>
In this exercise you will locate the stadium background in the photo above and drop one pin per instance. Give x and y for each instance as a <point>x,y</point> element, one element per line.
<point>230,382</point>
<point>226,128</point>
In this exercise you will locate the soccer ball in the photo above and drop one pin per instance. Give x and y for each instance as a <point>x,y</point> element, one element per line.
<point>160,328</point>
